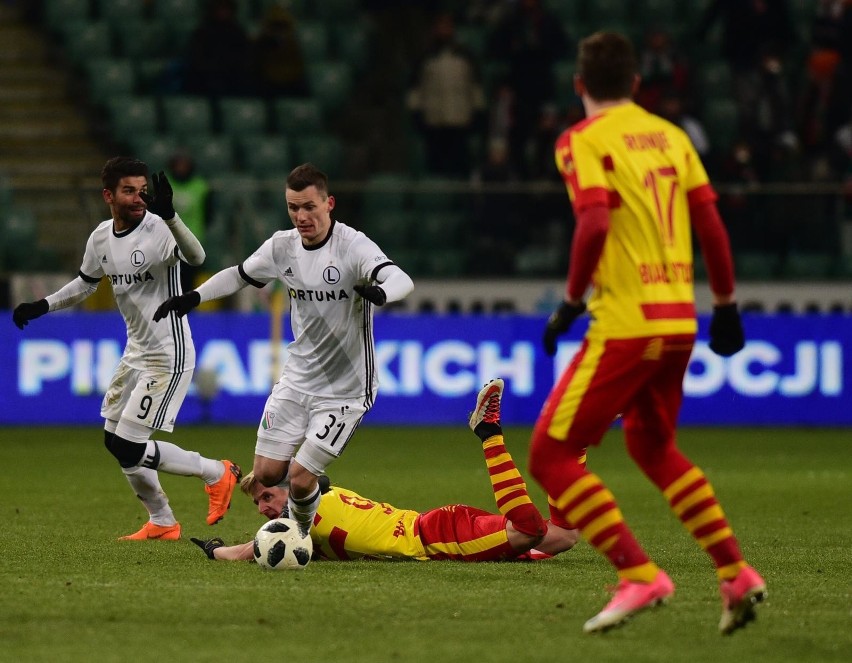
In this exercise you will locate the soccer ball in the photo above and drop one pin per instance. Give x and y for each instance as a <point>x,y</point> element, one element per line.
<point>280,545</point>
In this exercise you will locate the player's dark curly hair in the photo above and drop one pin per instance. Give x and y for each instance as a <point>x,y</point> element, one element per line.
<point>119,167</point>
<point>301,177</point>
<point>606,61</point>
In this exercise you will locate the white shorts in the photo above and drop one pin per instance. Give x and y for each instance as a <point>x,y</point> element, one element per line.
<point>317,426</point>
<point>147,398</point>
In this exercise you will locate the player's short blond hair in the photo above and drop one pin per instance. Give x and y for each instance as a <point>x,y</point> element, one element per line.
<point>248,483</point>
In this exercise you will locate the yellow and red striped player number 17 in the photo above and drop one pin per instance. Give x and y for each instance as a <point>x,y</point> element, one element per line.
<point>656,180</point>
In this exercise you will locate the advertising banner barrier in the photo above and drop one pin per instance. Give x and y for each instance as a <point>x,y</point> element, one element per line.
<point>794,370</point>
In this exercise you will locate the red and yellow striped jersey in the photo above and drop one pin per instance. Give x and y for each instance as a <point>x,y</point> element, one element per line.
<point>348,526</point>
<point>646,171</point>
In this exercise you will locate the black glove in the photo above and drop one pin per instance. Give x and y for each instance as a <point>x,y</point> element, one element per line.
<point>27,311</point>
<point>161,202</point>
<point>372,293</point>
<point>324,483</point>
<point>208,546</point>
<point>559,322</point>
<point>182,304</point>
<point>726,330</point>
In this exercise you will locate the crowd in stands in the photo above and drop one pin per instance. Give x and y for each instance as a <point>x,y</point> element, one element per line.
<point>762,87</point>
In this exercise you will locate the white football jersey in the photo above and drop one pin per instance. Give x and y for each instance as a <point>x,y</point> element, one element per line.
<point>332,352</point>
<point>143,267</point>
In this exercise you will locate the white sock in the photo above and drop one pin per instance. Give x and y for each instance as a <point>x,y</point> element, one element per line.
<point>303,510</point>
<point>146,484</point>
<point>174,460</point>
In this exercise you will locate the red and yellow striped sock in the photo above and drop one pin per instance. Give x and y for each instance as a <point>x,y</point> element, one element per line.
<point>510,491</point>
<point>692,499</point>
<point>591,507</point>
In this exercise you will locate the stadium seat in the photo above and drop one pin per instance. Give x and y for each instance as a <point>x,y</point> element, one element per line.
<point>440,231</point>
<point>237,196</point>
<point>107,77</point>
<point>802,11</point>
<point>18,232</point>
<point>756,266</point>
<point>330,83</point>
<point>410,260</point>
<point>266,156</point>
<point>435,194</point>
<point>240,116</point>
<point>187,116</point>
<point>656,13</point>
<point>214,155</point>
<point>129,114</point>
<point>385,191</point>
<point>218,242</point>
<point>337,10</point>
<point>313,37</point>
<point>295,116</point>
<point>119,11</point>
<point>475,38</point>
<point>158,75</point>
<point>808,266</point>
<point>716,80</point>
<point>298,8</point>
<point>153,149</point>
<point>843,268</point>
<point>602,13</point>
<point>721,120</point>
<point>392,230</point>
<point>324,151</point>
<point>84,41</point>
<point>352,42</point>
<point>140,39</point>
<point>183,12</point>
<point>258,226</point>
<point>447,263</point>
<point>538,261</point>
<point>567,11</point>
<point>58,13</point>
<point>563,79</point>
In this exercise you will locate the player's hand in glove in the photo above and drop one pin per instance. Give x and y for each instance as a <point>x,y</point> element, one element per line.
<point>559,322</point>
<point>208,546</point>
<point>27,311</point>
<point>372,293</point>
<point>726,330</point>
<point>161,202</point>
<point>181,304</point>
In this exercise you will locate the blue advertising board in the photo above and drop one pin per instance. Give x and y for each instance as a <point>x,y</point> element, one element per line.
<point>794,370</point>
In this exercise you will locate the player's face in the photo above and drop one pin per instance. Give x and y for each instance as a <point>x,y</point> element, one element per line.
<point>270,501</point>
<point>310,212</point>
<point>126,204</point>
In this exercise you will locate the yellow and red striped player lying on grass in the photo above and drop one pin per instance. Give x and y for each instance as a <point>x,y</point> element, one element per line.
<point>348,526</point>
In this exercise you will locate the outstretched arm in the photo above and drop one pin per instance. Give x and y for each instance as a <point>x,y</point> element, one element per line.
<point>216,549</point>
<point>221,284</point>
<point>68,295</point>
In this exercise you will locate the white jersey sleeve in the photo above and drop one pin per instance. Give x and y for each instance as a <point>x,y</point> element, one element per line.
<point>142,266</point>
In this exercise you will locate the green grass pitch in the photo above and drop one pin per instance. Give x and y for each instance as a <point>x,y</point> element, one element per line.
<point>71,592</point>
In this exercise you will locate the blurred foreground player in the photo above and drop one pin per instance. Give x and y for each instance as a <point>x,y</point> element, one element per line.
<point>348,526</point>
<point>139,251</point>
<point>636,184</point>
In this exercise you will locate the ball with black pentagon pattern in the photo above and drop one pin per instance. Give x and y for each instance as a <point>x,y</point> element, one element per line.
<point>279,545</point>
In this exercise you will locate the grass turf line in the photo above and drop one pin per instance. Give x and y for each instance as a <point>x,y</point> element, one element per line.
<point>71,592</point>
